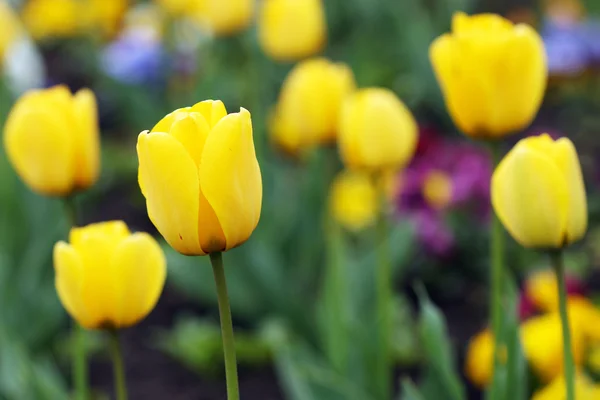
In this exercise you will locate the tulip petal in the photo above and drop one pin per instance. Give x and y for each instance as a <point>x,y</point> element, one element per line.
<point>212,110</point>
<point>164,125</point>
<point>87,138</point>
<point>115,230</point>
<point>40,147</point>
<point>529,195</point>
<point>169,179</point>
<point>139,267</point>
<point>230,177</point>
<point>577,214</point>
<point>191,131</point>
<point>68,281</point>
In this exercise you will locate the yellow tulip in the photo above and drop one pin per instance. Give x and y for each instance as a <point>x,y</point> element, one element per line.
<point>11,26</point>
<point>541,288</point>
<point>52,140</point>
<point>290,30</point>
<point>492,74</point>
<point>309,104</point>
<point>104,16</point>
<point>225,17</point>
<point>52,18</point>
<point>107,277</point>
<point>437,189</point>
<point>376,130</point>
<point>542,342</point>
<point>479,364</point>
<point>353,200</point>
<point>178,7</point>
<point>538,193</point>
<point>556,390</point>
<point>201,179</point>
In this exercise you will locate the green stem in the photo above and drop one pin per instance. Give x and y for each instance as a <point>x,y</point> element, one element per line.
<point>496,283</point>
<point>569,364</point>
<point>216,260</point>
<point>383,282</point>
<point>79,361</point>
<point>118,370</point>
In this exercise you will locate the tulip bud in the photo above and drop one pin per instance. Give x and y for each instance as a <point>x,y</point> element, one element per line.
<point>376,130</point>
<point>52,140</point>
<point>492,74</point>
<point>479,364</point>
<point>310,103</point>
<point>225,17</point>
<point>199,174</point>
<point>52,18</point>
<point>290,30</point>
<point>539,195</point>
<point>354,200</point>
<point>108,278</point>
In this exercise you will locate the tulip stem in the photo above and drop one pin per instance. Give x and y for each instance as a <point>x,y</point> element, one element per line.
<point>216,260</point>
<point>496,283</point>
<point>118,370</point>
<point>79,366</point>
<point>569,371</point>
<point>384,293</point>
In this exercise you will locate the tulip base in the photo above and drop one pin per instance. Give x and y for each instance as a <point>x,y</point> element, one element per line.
<point>216,260</point>
<point>118,370</point>
<point>569,364</point>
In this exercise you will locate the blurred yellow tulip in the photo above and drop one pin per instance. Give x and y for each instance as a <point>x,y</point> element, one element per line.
<point>290,30</point>
<point>479,363</point>
<point>225,17</point>
<point>309,104</point>
<point>541,287</point>
<point>108,278</point>
<point>353,200</point>
<point>103,16</point>
<point>52,18</point>
<point>437,189</point>
<point>376,130</point>
<point>179,7</point>
<point>11,26</point>
<point>556,390</point>
<point>52,140</point>
<point>538,193</point>
<point>492,74</point>
<point>201,179</point>
<point>542,342</point>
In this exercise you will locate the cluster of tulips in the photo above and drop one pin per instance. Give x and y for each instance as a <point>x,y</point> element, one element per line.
<point>201,179</point>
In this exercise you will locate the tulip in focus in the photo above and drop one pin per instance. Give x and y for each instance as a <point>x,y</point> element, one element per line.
<point>479,364</point>
<point>353,200</point>
<point>310,103</point>
<point>51,138</point>
<point>542,342</point>
<point>108,278</point>
<point>199,174</point>
<point>290,30</point>
<point>377,131</point>
<point>538,193</point>
<point>225,17</point>
<point>492,74</point>
<point>52,18</point>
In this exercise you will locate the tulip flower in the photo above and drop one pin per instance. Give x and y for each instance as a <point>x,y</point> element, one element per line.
<point>310,103</point>
<point>225,17</point>
<point>52,18</point>
<point>103,16</point>
<point>52,140</point>
<point>201,179</point>
<point>479,360</point>
<point>107,277</point>
<point>376,130</point>
<point>538,193</point>
<point>492,74</point>
<point>584,388</point>
<point>290,30</point>
<point>438,189</point>
<point>354,201</point>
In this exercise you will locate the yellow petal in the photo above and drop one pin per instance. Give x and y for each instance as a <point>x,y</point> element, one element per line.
<point>40,148</point>
<point>171,187</point>
<point>480,359</point>
<point>353,200</point>
<point>191,131</point>
<point>212,110</point>
<point>230,177</point>
<point>69,277</point>
<point>530,196</point>
<point>139,274</point>
<point>164,125</point>
<point>113,230</point>
<point>87,139</point>
<point>577,215</point>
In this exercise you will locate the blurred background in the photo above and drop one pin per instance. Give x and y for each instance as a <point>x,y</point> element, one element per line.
<point>143,59</point>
